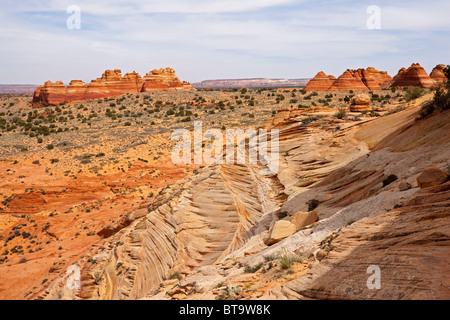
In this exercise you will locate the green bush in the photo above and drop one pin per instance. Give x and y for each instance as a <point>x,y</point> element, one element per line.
<point>413,93</point>
<point>341,113</point>
<point>287,259</point>
<point>441,100</point>
<point>253,269</point>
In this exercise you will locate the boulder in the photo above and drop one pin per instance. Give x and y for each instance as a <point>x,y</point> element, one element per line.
<point>360,102</point>
<point>302,219</point>
<point>362,99</point>
<point>403,186</point>
<point>431,176</point>
<point>281,230</point>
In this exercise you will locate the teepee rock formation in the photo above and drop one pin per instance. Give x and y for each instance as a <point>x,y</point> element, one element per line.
<point>359,79</point>
<point>437,74</point>
<point>320,82</point>
<point>414,76</point>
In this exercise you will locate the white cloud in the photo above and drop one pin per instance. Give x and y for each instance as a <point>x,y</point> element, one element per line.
<point>214,38</point>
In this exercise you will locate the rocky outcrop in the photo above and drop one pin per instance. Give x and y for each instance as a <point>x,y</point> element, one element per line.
<point>430,177</point>
<point>414,76</point>
<point>382,78</point>
<point>360,102</point>
<point>359,79</point>
<point>302,219</point>
<point>51,93</point>
<point>163,80</point>
<point>75,90</point>
<point>438,75</point>
<point>320,82</point>
<point>281,230</point>
<point>110,84</point>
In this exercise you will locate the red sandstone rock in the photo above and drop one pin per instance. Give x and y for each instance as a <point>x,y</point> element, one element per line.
<point>350,80</point>
<point>75,90</point>
<point>414,76</point>
<point>52,93</point>
<point>321,82</point>
<point>97,89</point>
<point>359,79</point>
<point>111,84</point>
<point>163,79</point>
<point>382,78</point>
<point>437,74</point>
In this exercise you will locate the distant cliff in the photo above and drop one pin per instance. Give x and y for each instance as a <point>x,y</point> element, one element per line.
<point>251,83</point>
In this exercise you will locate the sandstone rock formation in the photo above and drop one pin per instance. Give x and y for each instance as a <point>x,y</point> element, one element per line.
<point>360,102</point>
<point>210,225</point>
<point>281,230</point>
<point>355,80</point>
<point>437,74</point>
<point>360,79</point>
<point>163,79</point>
<point>414,76</point>
<point>302,219</point>
<point>430,177</point>
<point>320,82</point>
<point>110,84</point>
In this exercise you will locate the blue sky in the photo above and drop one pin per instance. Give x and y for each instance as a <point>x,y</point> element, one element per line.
<point>217,39</point>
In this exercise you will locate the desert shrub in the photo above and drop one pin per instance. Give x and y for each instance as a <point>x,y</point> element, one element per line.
<point>230,293</point>
<point>253,269</point>
<point>175,275</point>
<point>341,113</point>
<point>310,119</point>
<point>397,109</point>
<point>287,259</point>
<point>391,178</point>
<point>441,100</point>
<point>413,93</point>
<point>50,146</point>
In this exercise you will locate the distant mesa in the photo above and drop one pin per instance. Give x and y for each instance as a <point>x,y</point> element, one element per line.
<point>251,83</point>
<point>17,88</point>
<point>372,79</point>
<point>110,84</point>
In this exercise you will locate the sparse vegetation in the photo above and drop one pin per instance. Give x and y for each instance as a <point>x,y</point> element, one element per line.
<point>341,113</point>
<point>287,259</point>
<point>413,93</point>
